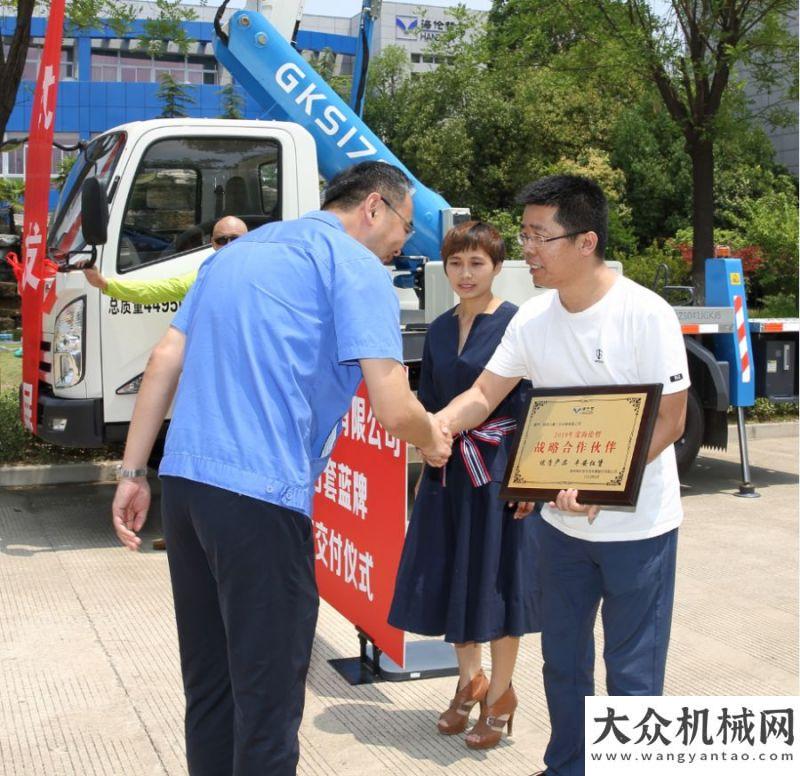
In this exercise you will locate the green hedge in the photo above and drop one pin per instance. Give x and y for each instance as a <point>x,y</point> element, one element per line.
<point>765,411</point>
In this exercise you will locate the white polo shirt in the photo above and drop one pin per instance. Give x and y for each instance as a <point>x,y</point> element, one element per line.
<point>631,335</point>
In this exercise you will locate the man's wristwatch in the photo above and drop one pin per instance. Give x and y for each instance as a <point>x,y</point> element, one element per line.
<point>130,474</point>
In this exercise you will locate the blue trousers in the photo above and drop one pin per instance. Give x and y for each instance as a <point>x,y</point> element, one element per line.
<point>246,604</point>
<point>635,580</point>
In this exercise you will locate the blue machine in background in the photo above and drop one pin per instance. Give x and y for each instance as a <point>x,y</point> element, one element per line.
<point>288,89</point>
<point>725,288</point>
<point>369,13</point>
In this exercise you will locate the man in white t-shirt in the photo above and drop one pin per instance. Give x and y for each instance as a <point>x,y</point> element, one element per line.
<point>593,328</point>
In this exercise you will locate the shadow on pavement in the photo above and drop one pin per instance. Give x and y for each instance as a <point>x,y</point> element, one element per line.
<point>324,681</point>
<point>411,731</point>
<point>712,475</point>
<point>63,518</point>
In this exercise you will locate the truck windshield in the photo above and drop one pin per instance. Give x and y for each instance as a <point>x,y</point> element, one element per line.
<point>183,185</point>
<point>98,159</point>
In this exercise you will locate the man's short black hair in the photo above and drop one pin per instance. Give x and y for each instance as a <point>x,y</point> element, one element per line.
<point>580,204</point>
<point>353,184</point>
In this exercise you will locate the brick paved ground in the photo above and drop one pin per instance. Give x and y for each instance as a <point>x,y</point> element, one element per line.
<point>89,680</point>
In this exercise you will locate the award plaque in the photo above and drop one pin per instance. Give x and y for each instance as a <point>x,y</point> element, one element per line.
<point>594,438</point>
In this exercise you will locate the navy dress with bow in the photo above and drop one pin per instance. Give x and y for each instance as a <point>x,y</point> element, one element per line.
<point>468,568</point>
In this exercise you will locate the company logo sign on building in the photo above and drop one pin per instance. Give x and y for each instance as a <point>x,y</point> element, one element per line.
<point>414,28</point>
<point>406,27</point>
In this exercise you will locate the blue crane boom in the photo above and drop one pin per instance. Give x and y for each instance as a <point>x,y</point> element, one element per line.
<point>370,10</point>
<point>288,89</point>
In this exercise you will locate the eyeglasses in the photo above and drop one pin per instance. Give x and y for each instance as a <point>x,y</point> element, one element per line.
<point>224,239</point>
<point>537,239</point>
<point>407,225</point>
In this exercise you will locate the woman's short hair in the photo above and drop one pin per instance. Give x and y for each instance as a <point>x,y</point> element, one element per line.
<point>472,235</point>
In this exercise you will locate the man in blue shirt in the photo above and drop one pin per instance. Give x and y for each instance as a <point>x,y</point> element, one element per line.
<point>272,342</point>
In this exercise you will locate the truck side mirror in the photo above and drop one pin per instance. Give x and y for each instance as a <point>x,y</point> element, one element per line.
<point>94,212</point>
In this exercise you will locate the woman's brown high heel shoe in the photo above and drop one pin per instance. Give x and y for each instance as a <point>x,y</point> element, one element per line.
<point>455,719</point>
<point>489,728</point>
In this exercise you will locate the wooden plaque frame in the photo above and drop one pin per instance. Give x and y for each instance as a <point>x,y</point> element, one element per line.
<point>621,488</point>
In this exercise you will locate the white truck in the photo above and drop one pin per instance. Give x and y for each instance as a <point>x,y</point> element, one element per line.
<point>166,182</point>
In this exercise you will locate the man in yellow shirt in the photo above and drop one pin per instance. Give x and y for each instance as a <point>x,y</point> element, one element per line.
<point>159,290</point>
<point>171,289</point>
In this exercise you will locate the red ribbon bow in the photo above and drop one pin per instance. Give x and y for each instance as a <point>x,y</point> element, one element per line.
<point>49,268</point>
<point>491,432</point>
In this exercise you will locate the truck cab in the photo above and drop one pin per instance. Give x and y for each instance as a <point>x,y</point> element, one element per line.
<point>167,182</point>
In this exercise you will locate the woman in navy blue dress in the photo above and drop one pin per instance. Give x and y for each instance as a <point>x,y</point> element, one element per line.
<point>467,568</point>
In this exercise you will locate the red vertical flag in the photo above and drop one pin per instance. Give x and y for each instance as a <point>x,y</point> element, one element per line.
<point>37,191</point>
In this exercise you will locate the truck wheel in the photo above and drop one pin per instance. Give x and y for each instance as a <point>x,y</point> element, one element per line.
<point>687,447</point>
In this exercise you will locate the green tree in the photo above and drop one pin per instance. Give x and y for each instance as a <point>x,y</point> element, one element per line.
<point>596,165</point>
<point>231,102</point>
<point>175,97</point>
<point>12,57</point>
<point>647,147</point>
<point>324,63</point>
<point>694,54</point>
<point>456,127</point>
<point>64,169</point>
<point>11,190</point>
<point>166,27</point>
<point>82,15</point>
<point>771,222</point>
<point>506,105</point>
<point>386,83</point>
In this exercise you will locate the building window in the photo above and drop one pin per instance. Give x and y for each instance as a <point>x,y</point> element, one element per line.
<point>105,67</point>
<point>201,70</point>
<point>34,56</point>
<point>68,63</point>
<point>176,67</point>
<point>13,161</point>
<point>31,63</point>
<point>132,67</point>
<point>430,59</point>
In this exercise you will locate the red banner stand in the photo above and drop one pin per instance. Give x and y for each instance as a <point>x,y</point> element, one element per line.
<point>359,524</point>
<point>364,669</point>
<point>425,659</point>
<point>360,508</point>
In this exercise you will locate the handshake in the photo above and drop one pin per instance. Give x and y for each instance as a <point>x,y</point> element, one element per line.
<point>437,452</point>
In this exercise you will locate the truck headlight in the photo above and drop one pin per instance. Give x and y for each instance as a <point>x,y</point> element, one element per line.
<point>68,345</point>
